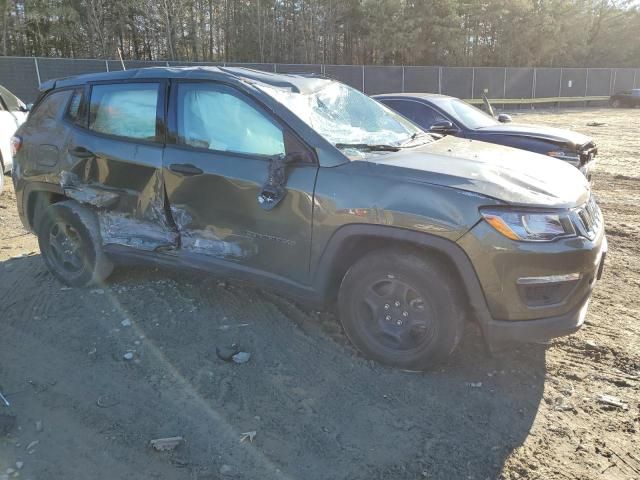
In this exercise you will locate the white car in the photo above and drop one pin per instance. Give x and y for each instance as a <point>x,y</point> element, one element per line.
<point>13,112</point>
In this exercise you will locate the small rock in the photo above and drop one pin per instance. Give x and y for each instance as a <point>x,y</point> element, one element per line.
<point>169,443</point>
<point>225,469</point>
<point>128,356</point>
<point>474,385</point>
<point>227,353</point>
<point>38,426</point>
<point>98,291</point>
<point>19,465</point>
<point>241,357</point>
<point>126,322</point>
<point>9,471</point>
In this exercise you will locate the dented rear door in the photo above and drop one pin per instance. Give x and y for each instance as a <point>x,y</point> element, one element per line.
<point>113,161</point>
<point>215,171</point>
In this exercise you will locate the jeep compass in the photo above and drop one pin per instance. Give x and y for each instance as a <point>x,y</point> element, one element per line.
<point>309,187</point>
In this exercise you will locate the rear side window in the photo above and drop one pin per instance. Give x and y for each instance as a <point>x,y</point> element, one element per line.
<point>49,109</point>
<point>218,118</point>
<point>126,110</point>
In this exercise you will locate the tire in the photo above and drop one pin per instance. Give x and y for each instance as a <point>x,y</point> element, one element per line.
<point>71,246</point>
<point>402,308</point>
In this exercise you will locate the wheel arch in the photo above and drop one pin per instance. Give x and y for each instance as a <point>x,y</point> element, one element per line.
<point>351,242</point>
<point>36,198</point>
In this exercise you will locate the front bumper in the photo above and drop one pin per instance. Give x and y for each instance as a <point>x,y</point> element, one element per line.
<point>499,332</point>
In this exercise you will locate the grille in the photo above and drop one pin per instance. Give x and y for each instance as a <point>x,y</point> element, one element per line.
<point>589,219</point>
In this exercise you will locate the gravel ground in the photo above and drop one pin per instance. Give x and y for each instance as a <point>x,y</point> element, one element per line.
<point>319,410</point>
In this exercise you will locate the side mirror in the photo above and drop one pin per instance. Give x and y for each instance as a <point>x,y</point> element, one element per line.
<point>444,127</point>
<point>504,118</point>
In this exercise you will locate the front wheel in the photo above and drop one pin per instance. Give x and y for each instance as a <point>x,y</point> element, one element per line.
<point>70,243</point>
<point>402,308</point>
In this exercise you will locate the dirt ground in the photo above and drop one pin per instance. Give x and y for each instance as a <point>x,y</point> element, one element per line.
<point>319,410</point>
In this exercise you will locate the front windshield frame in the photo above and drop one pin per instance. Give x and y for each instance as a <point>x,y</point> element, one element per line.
<point>336,126</point>
<point>477,118</point>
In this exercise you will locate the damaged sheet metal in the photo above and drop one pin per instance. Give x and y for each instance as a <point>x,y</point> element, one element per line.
<point>208,242</point>
<point>122,229</point>
<point>86,193</point>
<point>127,217</point>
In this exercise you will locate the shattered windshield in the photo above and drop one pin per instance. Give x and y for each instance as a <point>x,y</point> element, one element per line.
<point>468,115</point>
<point>345,116</point>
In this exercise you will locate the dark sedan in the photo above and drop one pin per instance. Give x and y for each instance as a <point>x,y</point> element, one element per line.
<point>628,98</point>
<point>452,116</point>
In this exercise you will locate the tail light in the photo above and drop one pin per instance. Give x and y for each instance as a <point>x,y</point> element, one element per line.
<point>16,145</point>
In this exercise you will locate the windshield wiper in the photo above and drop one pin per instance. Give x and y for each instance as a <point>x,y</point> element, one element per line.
<point>366,147</point>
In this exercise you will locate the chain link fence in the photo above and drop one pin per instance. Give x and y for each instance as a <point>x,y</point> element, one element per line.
<point>23,75</point>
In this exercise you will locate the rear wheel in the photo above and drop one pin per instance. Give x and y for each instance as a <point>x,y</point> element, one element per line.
<point>401,308</point>
<point>70,243</point>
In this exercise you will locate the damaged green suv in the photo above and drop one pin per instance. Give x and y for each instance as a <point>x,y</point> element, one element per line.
<point>307,186</point>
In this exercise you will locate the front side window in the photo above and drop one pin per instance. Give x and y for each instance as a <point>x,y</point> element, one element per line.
<point>343,115</point>
<point>124,109</point>
<point>416,112</point>
<point>218,118</point>
<point>467,115</point>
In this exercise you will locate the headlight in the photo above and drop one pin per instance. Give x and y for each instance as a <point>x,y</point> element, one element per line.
<point>573,157</point>
<point>529,226</point>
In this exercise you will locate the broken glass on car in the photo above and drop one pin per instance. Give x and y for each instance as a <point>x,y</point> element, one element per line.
<point>349,119</point>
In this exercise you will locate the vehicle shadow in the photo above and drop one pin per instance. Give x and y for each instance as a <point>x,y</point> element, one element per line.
<point>318,408</point>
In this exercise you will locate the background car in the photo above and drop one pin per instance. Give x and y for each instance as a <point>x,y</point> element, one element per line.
<point>452,116</point>
<point>13,113</point>
<point>627,98</point>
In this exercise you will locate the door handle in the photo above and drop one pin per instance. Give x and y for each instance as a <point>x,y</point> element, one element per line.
<point>81,152</point>
<point>185,169</point>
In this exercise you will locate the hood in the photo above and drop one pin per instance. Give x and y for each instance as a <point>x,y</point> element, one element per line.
<point>558,135</point>
<point>510,175</point>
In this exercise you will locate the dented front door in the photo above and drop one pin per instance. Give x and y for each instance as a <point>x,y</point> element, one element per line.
<point>214,174</point>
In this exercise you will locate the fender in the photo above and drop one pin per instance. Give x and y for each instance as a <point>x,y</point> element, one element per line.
<point>325,281</point>
<point>22,198</point>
